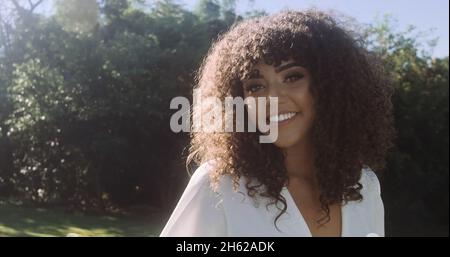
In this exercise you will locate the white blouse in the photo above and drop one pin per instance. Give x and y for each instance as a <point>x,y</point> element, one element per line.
<point>225,212</point>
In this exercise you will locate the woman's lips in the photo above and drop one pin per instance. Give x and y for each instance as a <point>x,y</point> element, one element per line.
<point>282,118</point>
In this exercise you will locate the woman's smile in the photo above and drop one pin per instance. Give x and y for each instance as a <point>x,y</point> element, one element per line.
<point>282,119</point>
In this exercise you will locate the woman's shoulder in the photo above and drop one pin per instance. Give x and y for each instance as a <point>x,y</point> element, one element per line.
<point>372,201</point>
<point>199,211</point>
<point>369,181</point>
<point>224,187</point>
<point>202,176</point>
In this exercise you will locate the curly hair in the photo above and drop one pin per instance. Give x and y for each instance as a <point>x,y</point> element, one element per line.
<point>353,127</point>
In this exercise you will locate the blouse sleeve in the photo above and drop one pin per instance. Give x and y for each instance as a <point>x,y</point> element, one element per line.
<point>374,194</point>
<point>198,212</point>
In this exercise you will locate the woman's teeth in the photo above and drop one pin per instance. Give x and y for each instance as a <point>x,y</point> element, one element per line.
<point>282,117</point>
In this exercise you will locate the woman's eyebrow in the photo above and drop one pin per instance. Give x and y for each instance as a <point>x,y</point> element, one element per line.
<point>287,66</point>
<point>255,74</point>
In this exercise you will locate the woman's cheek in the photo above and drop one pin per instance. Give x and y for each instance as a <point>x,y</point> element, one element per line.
<point>253,107</point>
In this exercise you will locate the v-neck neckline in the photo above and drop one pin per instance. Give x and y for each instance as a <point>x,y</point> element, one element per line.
<point>292,206</point>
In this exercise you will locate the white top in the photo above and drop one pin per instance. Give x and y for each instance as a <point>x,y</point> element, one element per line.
<point>225,212</point>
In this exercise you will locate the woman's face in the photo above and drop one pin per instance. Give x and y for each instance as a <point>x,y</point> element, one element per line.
<point>290,82</point>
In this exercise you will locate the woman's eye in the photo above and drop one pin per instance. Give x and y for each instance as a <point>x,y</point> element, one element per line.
<point>253,88</point>
<point>293,77</point>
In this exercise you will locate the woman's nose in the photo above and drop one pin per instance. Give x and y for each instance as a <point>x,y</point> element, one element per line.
<point>277,90</point>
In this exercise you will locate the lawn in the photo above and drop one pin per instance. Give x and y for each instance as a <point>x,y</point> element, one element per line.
<point>18,220</point>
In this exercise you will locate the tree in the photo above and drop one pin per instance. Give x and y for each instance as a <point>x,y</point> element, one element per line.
<point>79,16</point>
<point>416,183</point>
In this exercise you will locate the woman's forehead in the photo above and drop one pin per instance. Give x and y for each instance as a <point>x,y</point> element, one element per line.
<point>263,64</point>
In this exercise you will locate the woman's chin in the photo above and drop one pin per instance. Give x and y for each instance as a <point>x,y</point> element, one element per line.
<point>284,143</point>
<point>288,140</point>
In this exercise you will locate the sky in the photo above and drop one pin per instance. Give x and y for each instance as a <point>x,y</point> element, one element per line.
<point>430,16</point>
<point>424,15</point>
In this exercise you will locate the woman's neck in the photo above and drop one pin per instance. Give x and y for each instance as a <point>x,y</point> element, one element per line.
<point>299,160</point>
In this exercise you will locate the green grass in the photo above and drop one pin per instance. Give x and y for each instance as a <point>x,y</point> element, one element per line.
<point>27,221</point>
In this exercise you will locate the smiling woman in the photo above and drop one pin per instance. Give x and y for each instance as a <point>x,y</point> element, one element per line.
<point>334,124</point>
<point>290,83</point>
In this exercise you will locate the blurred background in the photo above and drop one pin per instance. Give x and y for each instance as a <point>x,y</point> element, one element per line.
<point>85,86</point>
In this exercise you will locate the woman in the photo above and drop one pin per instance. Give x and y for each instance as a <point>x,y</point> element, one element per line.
<point>334,126</point>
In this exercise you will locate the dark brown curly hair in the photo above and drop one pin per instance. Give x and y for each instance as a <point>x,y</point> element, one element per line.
<point>353,125</point>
